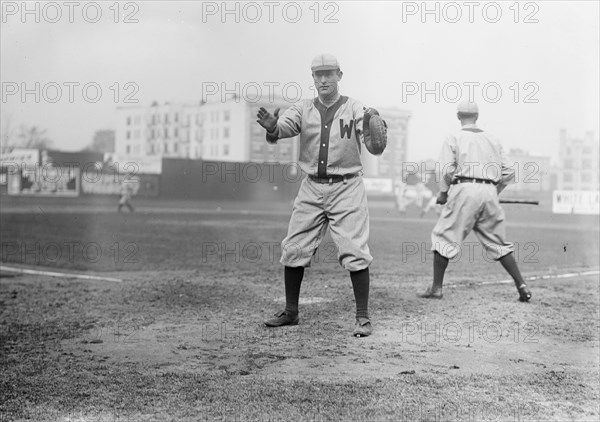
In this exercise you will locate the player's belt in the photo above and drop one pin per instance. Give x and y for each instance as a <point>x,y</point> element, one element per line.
<point>336,178</point>
<point>474,180</point>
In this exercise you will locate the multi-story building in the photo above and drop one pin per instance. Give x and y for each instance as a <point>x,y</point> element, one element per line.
<point>532,172</point>
<point>151,131</point>
<point>578,167</point>
<point>217,131</point>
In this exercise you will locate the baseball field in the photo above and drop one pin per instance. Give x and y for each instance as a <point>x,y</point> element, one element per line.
<point>171,328</point>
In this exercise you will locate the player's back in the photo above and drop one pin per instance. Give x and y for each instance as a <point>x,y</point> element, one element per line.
<point>478,154</point>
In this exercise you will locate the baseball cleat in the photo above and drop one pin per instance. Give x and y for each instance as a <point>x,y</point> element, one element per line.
<point>282,318</point>
<point>363,328</point>
<point>430,293</point>
<point>524,294</point>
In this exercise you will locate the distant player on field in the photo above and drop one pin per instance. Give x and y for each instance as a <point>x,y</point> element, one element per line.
<point>332,195</point>
<point>430,203</point>
<point>474,172</point>
<point>126,193</point>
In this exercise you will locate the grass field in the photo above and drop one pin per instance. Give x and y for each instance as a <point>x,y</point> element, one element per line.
<point>181,337</point>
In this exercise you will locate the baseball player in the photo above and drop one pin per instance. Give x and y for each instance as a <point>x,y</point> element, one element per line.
<point>474,171</point>
<point>332,195</point>
<point>430,203</point>
<point>125,199</point>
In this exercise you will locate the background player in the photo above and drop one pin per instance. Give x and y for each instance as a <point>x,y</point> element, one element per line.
<point>473,163</point>
<point>332,195</point>
<point>433,186</point>
<point>126,193</point>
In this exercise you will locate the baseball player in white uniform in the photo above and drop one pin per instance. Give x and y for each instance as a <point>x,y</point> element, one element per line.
<point>474,170</point>
<point>125,198</point>
<point>332,195</point>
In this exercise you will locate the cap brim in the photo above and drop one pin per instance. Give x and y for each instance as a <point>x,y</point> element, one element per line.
<point>324,67</point>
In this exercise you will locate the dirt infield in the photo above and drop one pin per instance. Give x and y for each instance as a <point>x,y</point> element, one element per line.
<point>180,338</point>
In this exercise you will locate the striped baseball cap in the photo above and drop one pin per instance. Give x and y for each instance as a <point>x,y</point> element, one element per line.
<point>324,62</point>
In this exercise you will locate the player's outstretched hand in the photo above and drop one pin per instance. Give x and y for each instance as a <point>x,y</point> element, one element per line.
<point>442,198</point>
<point>268,120</point>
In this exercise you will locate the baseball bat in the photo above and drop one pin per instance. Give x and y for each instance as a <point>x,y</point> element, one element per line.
<point>519,201</point>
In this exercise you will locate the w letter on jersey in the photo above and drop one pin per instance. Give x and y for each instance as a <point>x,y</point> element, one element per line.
<point>346,130</point>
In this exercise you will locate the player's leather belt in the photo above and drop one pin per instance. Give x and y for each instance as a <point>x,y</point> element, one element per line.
<point>474,180</point>
<point>336,178</point>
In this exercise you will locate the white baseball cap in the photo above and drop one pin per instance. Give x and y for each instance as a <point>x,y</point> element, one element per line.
<point>324,62</point>
<point>467,106</point>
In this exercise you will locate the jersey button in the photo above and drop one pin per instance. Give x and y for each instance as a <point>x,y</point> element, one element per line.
<point>323,144</point>
<point>322,162</point>
<point>325,126</point>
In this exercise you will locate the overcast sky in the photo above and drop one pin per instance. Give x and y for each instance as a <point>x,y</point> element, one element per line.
<point>545,64</point>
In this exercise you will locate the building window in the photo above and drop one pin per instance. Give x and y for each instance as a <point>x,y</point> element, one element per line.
<point>136,134</point>
<point>226,115</point>
<point>175,147</point>
<point>568,177</point>
<point>586,177</point>
<point>569,164</point>
<point>166,148</point>
<point>586,164</point>
<point>176,132</point>
<point>128,121</point>
<point>166,117</point>
<point>136,120</point>
<point>128,149</point>
<point>166,133</point>
<point>128,135</point>
<point>226,132</point>
<point>225,149</point>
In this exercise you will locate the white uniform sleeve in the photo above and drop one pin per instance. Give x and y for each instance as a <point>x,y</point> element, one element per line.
<point>289,124</point>
<point>448,163</point>
<point>508,173</point>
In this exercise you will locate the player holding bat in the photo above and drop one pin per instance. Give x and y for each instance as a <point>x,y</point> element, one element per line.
<point>474,172</point>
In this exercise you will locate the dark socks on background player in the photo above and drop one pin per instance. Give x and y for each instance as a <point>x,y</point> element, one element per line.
<point>510,265</point>
<point>440,263</point>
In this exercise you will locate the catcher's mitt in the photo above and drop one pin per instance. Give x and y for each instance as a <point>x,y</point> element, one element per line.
<point>374,132</point>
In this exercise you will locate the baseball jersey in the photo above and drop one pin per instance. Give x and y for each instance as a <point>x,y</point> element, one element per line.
<point>330,138</point>
<point>473,153</point>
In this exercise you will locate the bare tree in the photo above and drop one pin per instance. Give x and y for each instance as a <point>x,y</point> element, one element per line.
<point>103,141</point>
<point>7,134</point>
<point>33,137</point>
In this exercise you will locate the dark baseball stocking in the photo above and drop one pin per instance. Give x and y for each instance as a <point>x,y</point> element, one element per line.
<point>440,263</point>
<point>360,285</point>
<point>293,279</point>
